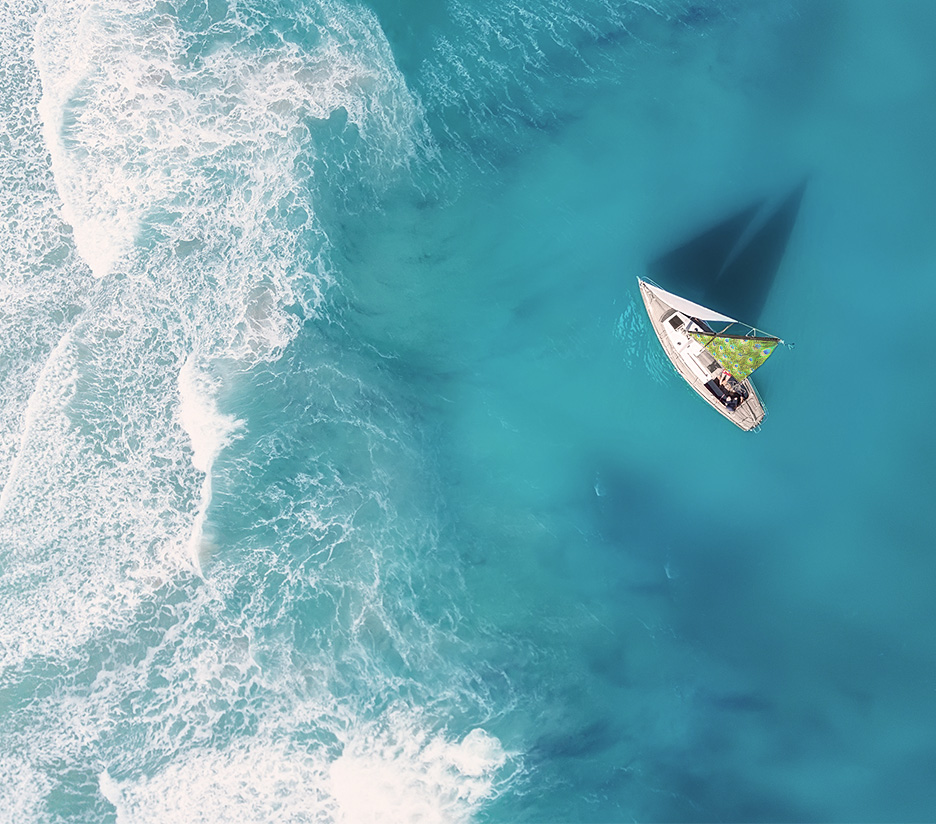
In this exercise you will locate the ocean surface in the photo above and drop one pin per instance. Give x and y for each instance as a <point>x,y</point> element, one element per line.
<point>342,478</point>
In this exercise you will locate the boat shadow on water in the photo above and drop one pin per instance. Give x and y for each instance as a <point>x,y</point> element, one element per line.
<point>733,264</point>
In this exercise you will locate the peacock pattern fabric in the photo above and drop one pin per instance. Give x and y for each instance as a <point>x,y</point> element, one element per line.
<point>740,356</point>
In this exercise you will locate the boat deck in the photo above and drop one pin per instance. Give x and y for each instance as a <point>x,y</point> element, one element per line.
<point>697,365</point>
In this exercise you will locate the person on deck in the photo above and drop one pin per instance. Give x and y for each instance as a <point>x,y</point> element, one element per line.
<point>733,396</point>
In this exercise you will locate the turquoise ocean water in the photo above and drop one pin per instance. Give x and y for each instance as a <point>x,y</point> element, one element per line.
<point>343,479</point>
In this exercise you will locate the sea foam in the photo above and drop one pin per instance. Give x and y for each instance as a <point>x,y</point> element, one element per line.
<point>209,432</point>
<point>178,176</point>
<point>403,774</point>
<point>189,163</point>
<point>183,172</point>
<point>22,790</point>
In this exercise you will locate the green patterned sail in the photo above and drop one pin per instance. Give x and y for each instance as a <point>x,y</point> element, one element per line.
<point>739,355</point>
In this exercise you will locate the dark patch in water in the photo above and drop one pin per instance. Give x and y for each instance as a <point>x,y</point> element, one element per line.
<point>698,16</point>
<point>587,741</point>
<point>609,664</point>
<point>693,267</point>
<point>739,702</point>
<point>697,792</point>
<point>748,277</point>
<point>657,589</point>
<point>729,267</point>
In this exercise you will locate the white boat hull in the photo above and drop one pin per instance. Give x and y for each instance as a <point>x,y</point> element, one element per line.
<point>695,363</point>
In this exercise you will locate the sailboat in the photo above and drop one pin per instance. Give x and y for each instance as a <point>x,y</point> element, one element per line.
<point>717,363</point>
<point>713,351</point>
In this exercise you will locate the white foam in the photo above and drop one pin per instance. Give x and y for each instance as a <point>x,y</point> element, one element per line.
<point>400,773</point>
<point>209,432</point>
<point>110,789</point>
<point>67,49</point>
<point>43,283</point>
<point>177,174</point>
<point>405,773</point>
<point>208,429</point>
<point>124,110</point>
<point>55,385</point>
<point>23,790</point>
<point>93,514</point>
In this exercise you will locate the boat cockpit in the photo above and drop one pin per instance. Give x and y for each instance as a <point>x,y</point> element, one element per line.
<point>730,392</point>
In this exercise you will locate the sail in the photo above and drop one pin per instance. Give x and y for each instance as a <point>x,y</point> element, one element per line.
<point>739,355</point>
<point>687,307</point>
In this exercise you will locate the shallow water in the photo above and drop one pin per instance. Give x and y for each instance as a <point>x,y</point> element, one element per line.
<point>343,478</point>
